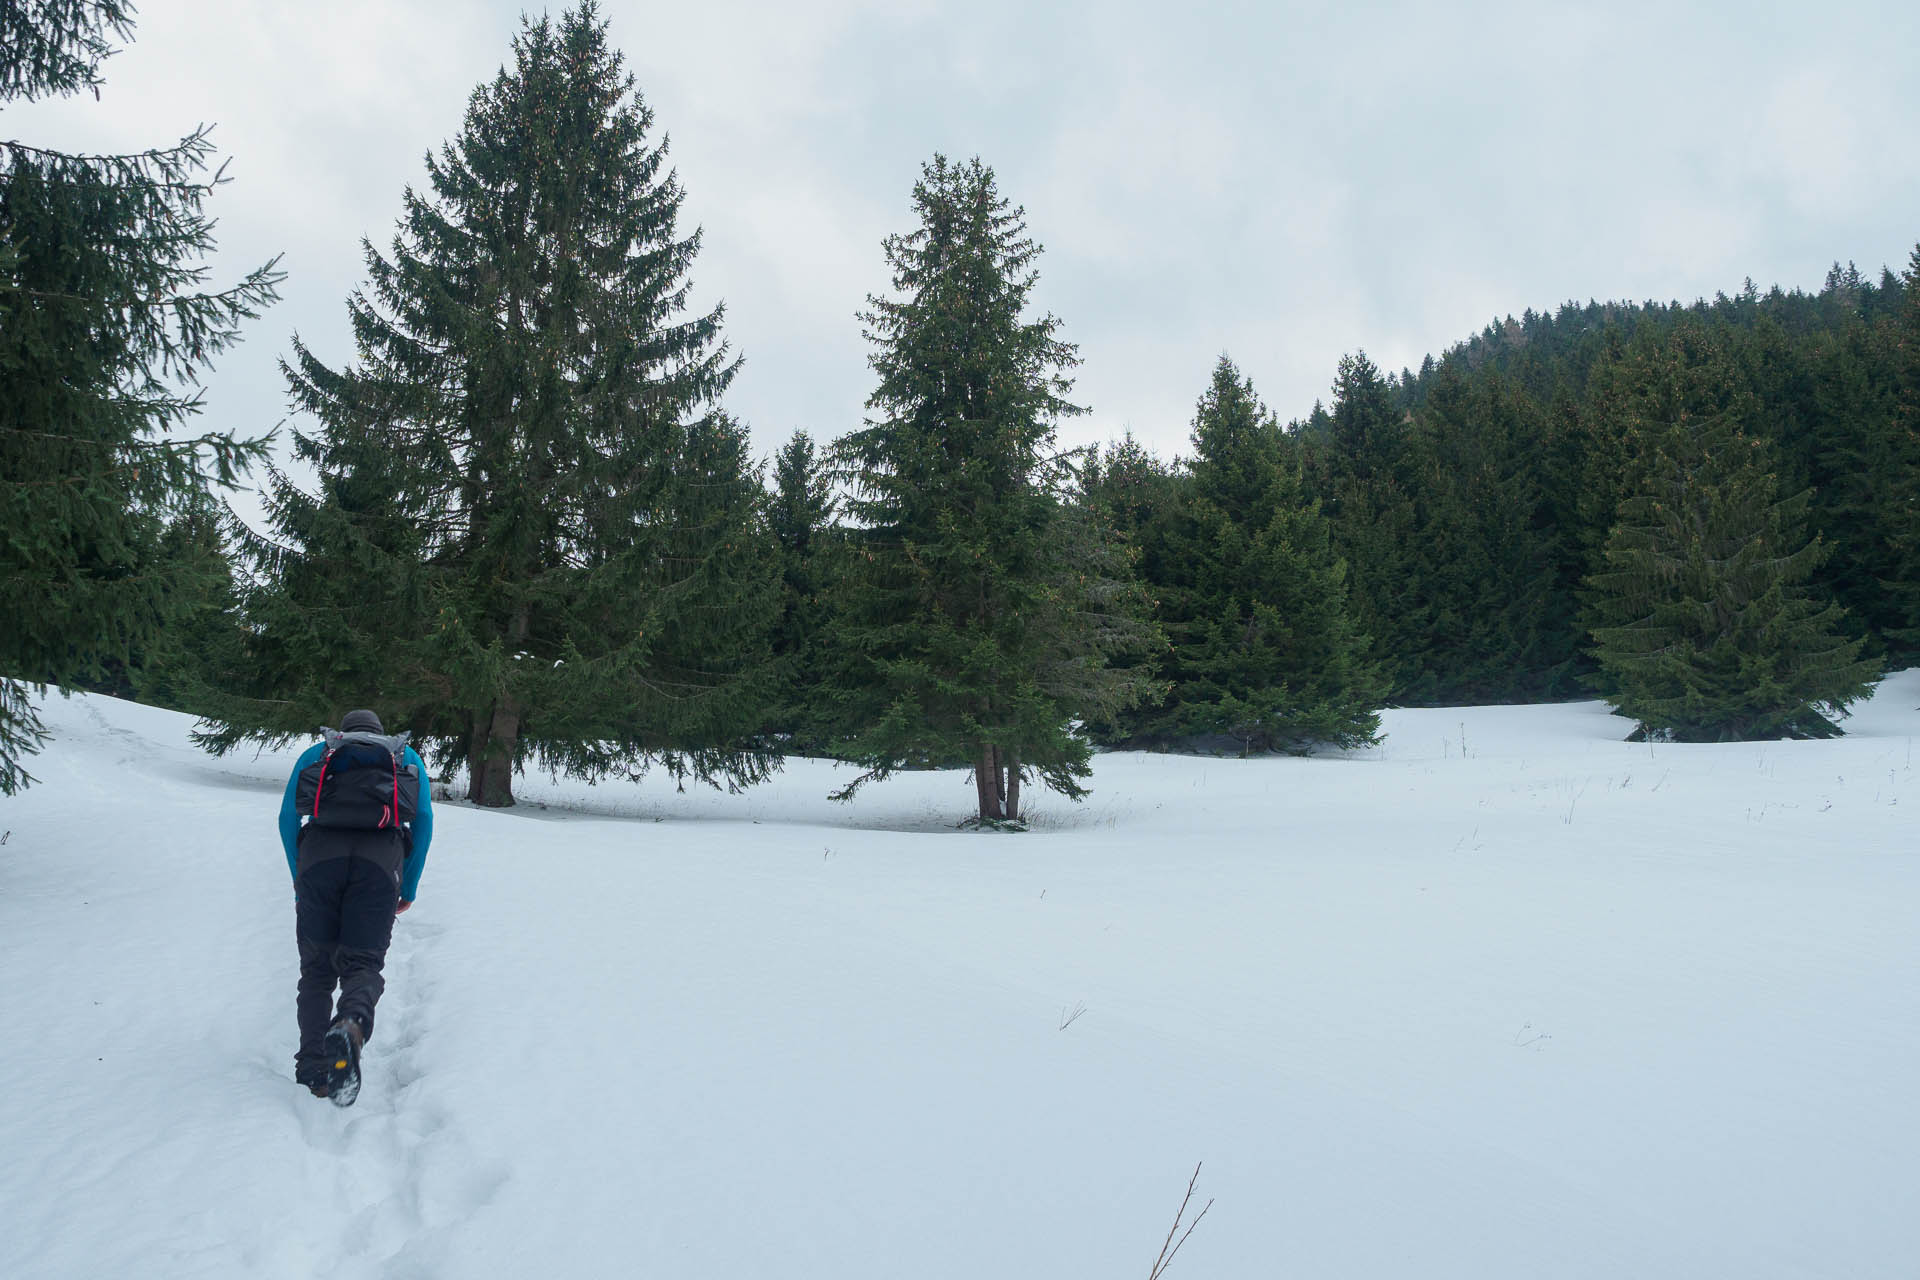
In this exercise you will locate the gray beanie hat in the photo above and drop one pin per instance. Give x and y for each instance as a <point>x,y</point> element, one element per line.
<point>361,722</point>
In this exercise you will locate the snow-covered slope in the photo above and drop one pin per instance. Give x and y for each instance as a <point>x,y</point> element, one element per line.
<point>1504,997</point>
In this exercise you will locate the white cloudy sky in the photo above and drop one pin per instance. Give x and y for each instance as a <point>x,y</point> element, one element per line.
<point>1285,182</point>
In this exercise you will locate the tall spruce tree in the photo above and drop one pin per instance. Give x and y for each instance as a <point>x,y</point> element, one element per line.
<point>1865,470</point>
<point>1356,469</point>
<point>1898,508</point>
<point>1125,488</point>
<point>105,326</point>
<point>1643,386</point>
<point>1262,653</point>
<point>537,535</point>
<point>976,607</point>
<point>1705,626</point>
<point>800,516</point>
<point>1483,551</point>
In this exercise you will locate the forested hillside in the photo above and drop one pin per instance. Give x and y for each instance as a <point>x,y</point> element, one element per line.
<point>1557,503</point>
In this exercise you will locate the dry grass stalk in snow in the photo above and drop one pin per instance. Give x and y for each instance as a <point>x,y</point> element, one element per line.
<point>1170,1246</point>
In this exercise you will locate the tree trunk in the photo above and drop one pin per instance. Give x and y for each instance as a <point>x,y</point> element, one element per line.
<point>493,778</point>
<point>491,767</point>
<point>985,781</point>
<point>477,722</point>
<point>1012,787</point>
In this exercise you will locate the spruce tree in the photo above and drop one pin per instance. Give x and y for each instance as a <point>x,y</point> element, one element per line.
<point>1483,551</point>
<point>800,518</point>
<point>1356,469</point>
<point>1135,494</point>
<point>1705,626</point>
<point>976,607</point>
<point>1125,488</point>
<point>1897,466</point>
<point>1262,652</point>
<point>203,649</point>
<point>106,324</point>
<point>537,534</point>
<point>1865,471</point>
<point>1643,386</point>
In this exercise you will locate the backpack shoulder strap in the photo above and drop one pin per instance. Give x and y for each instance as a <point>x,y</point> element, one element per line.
<point>330,738</point>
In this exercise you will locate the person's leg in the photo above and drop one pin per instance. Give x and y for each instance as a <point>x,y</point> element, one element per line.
<point>317,913</point>
<point>366,930</point>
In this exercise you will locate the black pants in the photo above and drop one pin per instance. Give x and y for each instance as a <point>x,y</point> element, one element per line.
<point>343,920</point>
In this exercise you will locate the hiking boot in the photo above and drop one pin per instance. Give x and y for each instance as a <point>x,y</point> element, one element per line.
<point>342,1061</point>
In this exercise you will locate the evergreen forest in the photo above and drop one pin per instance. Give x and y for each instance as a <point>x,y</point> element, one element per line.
<point>537,537</point>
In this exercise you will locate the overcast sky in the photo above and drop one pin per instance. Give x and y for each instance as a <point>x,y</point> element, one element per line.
<point>1281,182</point>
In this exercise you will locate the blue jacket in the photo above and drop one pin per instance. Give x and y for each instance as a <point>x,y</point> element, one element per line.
<point>421,828</point>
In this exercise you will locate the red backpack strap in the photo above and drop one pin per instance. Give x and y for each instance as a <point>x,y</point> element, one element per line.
<point>321,785</point>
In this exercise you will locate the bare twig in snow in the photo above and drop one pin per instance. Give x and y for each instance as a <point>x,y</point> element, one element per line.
<point>1170,1246</point>
<point>1070,1016</point>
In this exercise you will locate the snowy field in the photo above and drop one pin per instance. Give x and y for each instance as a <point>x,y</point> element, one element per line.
<point>1504,997</point>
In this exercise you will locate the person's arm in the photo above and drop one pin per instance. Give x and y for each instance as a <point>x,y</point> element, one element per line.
<point>421,829</point>
<point>290,812</point>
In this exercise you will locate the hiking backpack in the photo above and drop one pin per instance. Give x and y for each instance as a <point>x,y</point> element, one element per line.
<point>361,782</point>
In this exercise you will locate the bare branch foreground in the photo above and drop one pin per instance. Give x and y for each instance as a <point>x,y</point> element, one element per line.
<point>1170,1246</point>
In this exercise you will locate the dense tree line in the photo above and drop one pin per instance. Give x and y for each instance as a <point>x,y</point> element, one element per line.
<point>537,536</point>
<point>1705,513</point>
<point>1529,464</point>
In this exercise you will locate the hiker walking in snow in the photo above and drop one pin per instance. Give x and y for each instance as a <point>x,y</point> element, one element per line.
<point>356,823</point>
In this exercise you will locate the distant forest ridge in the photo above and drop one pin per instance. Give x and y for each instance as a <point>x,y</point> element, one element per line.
<point>1706,499</point>
<point>1562,330</point>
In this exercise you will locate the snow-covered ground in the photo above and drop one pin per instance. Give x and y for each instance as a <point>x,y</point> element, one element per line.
<point>1504,997</point>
